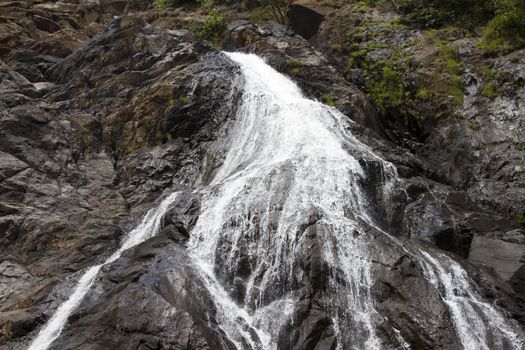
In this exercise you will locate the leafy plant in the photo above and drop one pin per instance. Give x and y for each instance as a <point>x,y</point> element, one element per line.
<point>213,26</point>
<point>328,99</point>
<point>294,66</point>
<point>261,14</point>
<point>490,91</point>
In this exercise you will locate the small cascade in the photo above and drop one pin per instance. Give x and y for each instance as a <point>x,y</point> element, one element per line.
<point>479,325</point>
<point>146,229</point>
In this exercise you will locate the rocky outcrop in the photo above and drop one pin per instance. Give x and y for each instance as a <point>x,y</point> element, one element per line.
<point>158,282</point>
<point>468,142</point>
<point>116,123</point>
<point>304,20</point>
<point>100,118</point>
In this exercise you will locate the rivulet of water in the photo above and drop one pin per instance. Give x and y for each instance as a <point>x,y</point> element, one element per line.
<point>146,229</point>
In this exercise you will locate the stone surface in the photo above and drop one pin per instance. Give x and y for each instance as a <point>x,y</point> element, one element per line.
<point>100,118</point>
<point>504,257</point>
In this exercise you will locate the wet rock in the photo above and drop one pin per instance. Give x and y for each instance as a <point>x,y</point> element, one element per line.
<point>130,113</point>
<point>77,172</point>
<point>157,281</point>
<point>505,257</point>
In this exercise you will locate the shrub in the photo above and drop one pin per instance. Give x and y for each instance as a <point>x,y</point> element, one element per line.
<point>435,13</point>
<point>490,91</point>
<point>388,91</point>
<point>212,27</point>
<point>294,66</point>
<point>509,22</point>
<point>261,14</point>
<point>328,99</point>
<point>504,19</point>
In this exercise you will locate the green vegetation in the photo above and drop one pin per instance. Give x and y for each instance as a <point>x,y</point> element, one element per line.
<point>181,101</point>
<point>383,78</point>
<point>337,47</point>
<point>453,65</point>
<point>279,9</point>
<point>521,220</point>
<point>509,21</point>
<point>212,27</point>
<point>328,99</point>
<point>424,94</point>
<point>436,13</point>
<point>165,4</point>
<point>474,126</point>
<point>387,91</point>
<point>350,63</point>
<point>490,91</point>
<point>503,21</point>
<point>261,14</point>
<point>294,67</point>
<point>488,73</point>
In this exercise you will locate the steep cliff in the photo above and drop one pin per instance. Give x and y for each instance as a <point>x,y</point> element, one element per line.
<point>101,118</point>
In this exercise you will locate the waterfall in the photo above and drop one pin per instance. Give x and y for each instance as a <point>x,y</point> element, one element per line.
<point>146,229</point>
<point>288,208</point>
<point>292,162</point>
<point>289,159</point>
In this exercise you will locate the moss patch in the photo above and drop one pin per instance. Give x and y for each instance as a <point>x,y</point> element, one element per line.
<point>328,99</point>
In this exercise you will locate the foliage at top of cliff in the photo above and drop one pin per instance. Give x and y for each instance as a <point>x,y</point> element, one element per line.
<point>501,21</point>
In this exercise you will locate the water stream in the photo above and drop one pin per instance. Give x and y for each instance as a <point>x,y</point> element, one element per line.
<point>146,229</point>
<point>291,184</point>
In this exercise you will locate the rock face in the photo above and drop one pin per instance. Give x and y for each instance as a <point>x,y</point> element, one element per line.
<point>304,20</point>
<point>82,157</point>
<point>471,144</point>
<point>100,118</point>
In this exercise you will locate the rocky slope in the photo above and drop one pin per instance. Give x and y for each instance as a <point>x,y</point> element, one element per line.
<point>100,117</point>
<point>460,110</point>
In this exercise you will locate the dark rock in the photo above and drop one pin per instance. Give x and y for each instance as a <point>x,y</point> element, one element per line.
<point>130,114</point>
<point>304,20</point>
<point>162,283</point>
<point>46,24</point>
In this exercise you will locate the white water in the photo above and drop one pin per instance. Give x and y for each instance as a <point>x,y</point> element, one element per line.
<point>288,157</point>
<point>291,163</point>
<point>473,318</point>
<point>147,229</point>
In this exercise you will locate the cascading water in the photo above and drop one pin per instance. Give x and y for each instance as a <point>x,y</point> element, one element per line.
<point>289,159</point>
<point>292,163</point>
<point>145,230</point>
<point>291,187</point>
